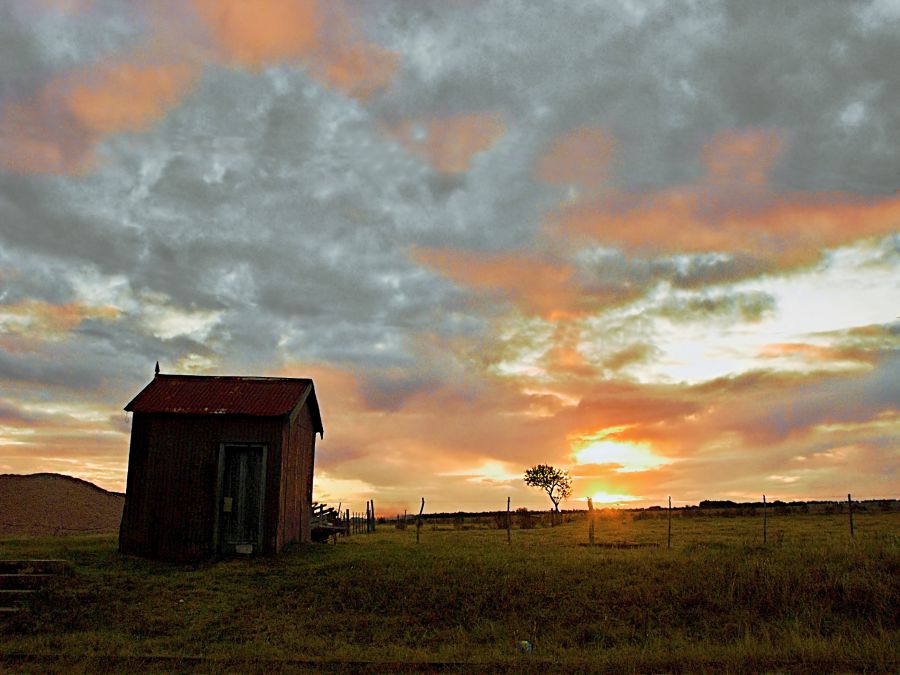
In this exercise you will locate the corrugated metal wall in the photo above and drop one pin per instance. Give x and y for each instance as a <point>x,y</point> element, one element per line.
<point>172,471</point>
<point>296,479</point>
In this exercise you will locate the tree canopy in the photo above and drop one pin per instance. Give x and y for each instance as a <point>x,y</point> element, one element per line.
<point>555,482</point>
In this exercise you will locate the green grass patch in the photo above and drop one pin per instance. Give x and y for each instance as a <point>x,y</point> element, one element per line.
<point>812,599</point>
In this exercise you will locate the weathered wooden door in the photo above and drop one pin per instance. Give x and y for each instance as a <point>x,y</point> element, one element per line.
<point>242,481</point>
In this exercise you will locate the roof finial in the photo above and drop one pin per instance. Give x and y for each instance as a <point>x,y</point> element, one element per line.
<point>156,372</point>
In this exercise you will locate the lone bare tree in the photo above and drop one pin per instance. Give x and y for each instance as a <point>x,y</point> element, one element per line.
<point>555,482</point>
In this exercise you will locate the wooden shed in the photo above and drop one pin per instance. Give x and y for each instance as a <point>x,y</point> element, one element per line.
<point>219,465</point>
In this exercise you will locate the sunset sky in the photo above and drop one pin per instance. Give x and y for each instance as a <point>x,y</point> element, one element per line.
<point>656,243</point>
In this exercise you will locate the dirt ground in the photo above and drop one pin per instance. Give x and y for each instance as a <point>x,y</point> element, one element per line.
<point>49,504</point>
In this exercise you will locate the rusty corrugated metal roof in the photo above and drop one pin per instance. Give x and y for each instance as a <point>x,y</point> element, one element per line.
<point>227,395</point>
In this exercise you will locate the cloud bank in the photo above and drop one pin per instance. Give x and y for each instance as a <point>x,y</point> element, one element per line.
<point>646,241</point>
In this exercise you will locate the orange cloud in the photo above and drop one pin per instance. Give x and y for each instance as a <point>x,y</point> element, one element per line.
<point>449,143</point>
<point>536,283</point>
<point>564,359</point>
<point>761,420</point>
<point>38,319</point>
<point>263,31</point>
<point>728,434</point>
<point>37,137</point>
<point>742,156</point>
<point>733,210</point>
<point>538,286</point>
<point>127,97</point>
<point>94,452</point>
<point>581,157</point>
<point>55,131</point>
<point>553,290</point>
<point>752,425</point>
<point>815,353</point>
<point>321,34</point>
<point>361,70</point>
<point>367,443</point>
<point>11,343</point>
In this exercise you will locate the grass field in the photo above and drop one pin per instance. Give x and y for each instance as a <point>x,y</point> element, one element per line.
<point>811,600</point>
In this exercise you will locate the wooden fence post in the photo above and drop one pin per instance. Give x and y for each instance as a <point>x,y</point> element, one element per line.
<point>765,523</point>
<point>508,523</point>
<point>590,521</point>
<point>374,520</point>
<point>419,520</point>
<point>669,540</point>
<point>850,510</point>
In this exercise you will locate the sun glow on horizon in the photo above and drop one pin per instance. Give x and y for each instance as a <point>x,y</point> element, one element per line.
<point>597,449</point>
<point>609,498</point>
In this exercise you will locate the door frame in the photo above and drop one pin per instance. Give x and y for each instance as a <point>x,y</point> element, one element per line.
<point>220,485</point>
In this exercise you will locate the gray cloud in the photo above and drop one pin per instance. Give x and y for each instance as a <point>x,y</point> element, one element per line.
<point>36,44</point>
<point>289,209</point>
<point>665,77</point>
<point>64,366</point>
<point>851,399</point>
<point>12,414</point>
<point>48,217</point>
<point>745,306</point>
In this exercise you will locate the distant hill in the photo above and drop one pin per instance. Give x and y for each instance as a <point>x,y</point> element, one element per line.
<point>51,503</point>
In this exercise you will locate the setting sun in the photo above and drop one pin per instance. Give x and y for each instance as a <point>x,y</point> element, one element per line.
<point>597,449</point>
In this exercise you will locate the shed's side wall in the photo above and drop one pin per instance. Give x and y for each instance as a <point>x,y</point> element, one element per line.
<point>171,490</point>
<point>296,479</point>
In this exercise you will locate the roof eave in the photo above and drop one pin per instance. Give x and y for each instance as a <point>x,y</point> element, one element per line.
<point>309,397</point>
<point>129,407</point>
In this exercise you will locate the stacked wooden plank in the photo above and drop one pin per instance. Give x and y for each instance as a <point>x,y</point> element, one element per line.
<point>20,579</point>
<point>325,522</point>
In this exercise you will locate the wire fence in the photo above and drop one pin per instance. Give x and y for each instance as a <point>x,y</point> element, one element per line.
<point>600,516</point>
